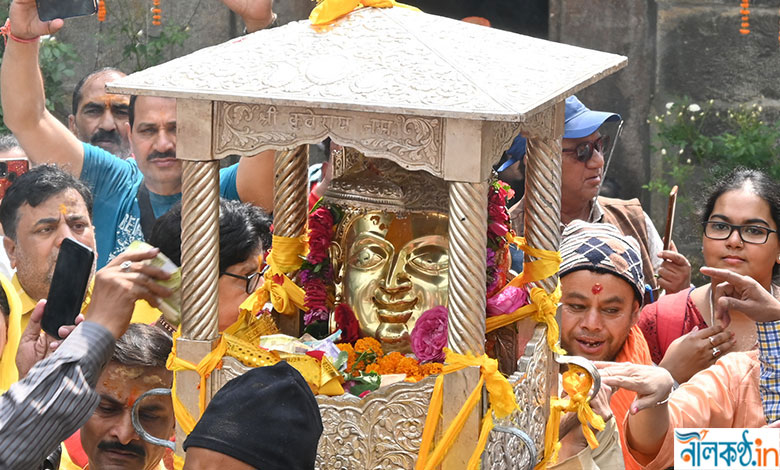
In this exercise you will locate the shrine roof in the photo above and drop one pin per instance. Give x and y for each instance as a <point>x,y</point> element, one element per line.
<point>383,60</point>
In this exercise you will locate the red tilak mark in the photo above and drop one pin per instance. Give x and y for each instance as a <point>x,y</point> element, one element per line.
<point>597,288</point>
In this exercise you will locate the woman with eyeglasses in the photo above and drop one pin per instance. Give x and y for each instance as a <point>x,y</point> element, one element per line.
<point>244,235</point>
<point>740,222</point>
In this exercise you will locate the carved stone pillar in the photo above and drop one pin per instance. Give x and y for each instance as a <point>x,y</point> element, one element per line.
<point>467,241</point>
<point>290,211</point>
<point>543,184</point>
<point>200,270</point>
<point>290,191</point>
<point>467,277</point>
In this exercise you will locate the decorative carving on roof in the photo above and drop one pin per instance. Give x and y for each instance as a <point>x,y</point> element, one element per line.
<point>497,137</point>
<point>245,129</point>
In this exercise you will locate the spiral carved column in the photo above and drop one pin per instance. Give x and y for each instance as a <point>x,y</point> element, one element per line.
<point>467,277</point>
<point>290,190</point>
<point>543,195</point>
<point>200,249</point>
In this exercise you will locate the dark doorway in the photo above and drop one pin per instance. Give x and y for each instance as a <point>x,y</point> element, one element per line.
<point>520,16</point>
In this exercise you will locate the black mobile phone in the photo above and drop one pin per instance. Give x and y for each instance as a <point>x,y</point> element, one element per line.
<point>68,286</point>
<point>51,9</point>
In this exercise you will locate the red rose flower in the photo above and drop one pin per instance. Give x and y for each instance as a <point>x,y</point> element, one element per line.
<point>347,322</point>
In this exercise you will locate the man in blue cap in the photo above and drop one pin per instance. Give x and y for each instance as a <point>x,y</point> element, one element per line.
<point>582,172</point>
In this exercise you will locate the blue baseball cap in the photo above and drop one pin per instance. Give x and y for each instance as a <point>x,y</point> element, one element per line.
<point>515,153</point>
<point>581,122</point>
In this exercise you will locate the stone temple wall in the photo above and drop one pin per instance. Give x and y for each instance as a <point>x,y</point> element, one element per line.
<point>675,48</point>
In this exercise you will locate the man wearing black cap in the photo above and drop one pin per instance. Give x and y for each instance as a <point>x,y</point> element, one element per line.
<point>265,419</point>
<point>582,173</point>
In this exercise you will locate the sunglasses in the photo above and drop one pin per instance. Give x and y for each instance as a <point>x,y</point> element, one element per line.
<point>584,150</point>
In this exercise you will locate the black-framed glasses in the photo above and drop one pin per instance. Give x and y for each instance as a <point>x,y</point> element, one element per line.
<point>755,234</point>
<point>584,150</point>
<point>252,281</point>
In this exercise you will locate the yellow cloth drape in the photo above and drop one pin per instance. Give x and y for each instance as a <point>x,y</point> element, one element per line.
<point>502,403</point>
<point>543,306</point>
<point>285,295</point>
<point>204,368</point>
<point>8,372</point>
<point>577,383</point>
<point>328,11</point>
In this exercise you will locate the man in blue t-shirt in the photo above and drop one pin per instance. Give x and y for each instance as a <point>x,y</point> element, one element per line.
<point>125,191</point>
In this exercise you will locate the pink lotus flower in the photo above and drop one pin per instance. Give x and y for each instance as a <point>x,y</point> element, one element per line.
<point>507,301</point>
<point>429,336</point>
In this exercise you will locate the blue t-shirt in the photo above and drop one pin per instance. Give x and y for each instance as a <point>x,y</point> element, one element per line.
<point>116,215</point>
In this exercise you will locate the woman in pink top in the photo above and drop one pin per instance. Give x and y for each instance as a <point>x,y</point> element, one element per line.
<point>740,222</point>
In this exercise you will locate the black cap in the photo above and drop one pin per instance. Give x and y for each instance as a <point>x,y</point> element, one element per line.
<point>267,418</point>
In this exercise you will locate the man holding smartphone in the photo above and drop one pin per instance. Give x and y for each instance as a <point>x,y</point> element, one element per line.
<point>31,424</point>
<point>129,194</point>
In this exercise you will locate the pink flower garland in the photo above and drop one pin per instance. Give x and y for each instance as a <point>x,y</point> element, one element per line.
<point>498,226</point>
<point>316,273</point>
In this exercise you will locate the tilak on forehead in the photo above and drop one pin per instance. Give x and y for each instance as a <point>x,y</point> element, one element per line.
<point>63,210</point>
<point>111,100</point>
<point>597,288</point>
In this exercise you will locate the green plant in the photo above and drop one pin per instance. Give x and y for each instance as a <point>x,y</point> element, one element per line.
<point>142,44</point>
<point>697,145</point>
<point>703,142</point>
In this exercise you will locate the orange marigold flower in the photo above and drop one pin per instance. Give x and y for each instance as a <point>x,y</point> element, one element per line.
<point>351,356</point>
<point>408,366</point>
<point>431,368</point>
<point>369,344</point>
<point>388,364</point>
<point>373,368</point>
<point>101,12</point>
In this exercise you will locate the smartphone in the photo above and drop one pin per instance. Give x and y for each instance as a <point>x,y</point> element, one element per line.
<point>51,9</point>
<point>670,217</point>
<point>68,286</point>
<point>9,171</point>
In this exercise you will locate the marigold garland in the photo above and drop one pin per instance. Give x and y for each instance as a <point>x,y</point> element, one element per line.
<point>156,13</point>
<point>745,12</point>
<point>101,11</point>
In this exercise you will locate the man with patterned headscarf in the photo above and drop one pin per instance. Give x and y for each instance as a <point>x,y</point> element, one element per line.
<point>602,288</point>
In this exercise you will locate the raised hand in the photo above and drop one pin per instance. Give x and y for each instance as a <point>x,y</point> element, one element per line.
<point>34,344</point>
<point>257,14</point>
<point>674,274</point>
<point>734,291</point>
<point>25,24</point>
<point>696,350</point>
<point>120,284</point>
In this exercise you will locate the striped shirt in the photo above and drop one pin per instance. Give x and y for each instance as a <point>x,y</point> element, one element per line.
<point>769,356</point>
<point>55,399</point>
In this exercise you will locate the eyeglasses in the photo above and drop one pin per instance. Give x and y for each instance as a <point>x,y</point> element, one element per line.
<point>754,234</point>
<point>252,281</point>
<point>584,150</point>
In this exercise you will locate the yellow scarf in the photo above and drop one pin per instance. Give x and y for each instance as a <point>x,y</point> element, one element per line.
<point>8,372</point>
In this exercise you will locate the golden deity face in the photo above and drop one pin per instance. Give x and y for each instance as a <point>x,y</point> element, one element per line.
<point>395,268</point>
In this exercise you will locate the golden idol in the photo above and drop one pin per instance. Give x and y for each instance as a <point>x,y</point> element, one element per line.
<point>390,250</point>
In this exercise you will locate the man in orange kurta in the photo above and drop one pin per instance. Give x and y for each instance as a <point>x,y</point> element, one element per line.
<point>602,289</point>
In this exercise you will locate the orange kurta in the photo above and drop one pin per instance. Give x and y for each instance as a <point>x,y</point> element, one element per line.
<point>636,351</point>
